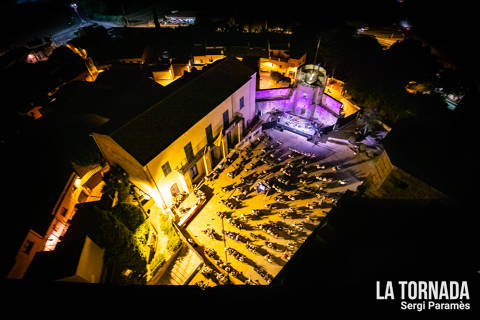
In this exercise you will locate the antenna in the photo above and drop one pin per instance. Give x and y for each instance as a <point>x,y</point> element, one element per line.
<point>316,51</point>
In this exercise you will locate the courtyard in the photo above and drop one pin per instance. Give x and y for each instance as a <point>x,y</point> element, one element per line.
<point>266,201</point>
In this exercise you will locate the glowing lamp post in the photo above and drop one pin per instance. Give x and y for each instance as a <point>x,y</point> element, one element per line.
<point>74,6</point>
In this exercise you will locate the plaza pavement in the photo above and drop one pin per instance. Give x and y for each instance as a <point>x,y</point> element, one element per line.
<point>353,167</point>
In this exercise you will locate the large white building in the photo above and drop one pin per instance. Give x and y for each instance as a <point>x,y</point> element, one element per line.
<point>169,147</point>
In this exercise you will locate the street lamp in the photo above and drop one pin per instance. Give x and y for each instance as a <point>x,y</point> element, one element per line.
<point>74,6</point>
<point>224,240</point>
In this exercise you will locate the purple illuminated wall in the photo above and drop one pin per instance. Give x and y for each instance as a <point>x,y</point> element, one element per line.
<point>324,117</point>
<point>331,103</point>
<point>272,106</point>
<point>272,93</point>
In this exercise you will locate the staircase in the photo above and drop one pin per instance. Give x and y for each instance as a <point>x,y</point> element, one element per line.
<point>182,269</point>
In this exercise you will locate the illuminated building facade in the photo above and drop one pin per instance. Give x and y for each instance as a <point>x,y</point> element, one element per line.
<point>82,186</point>
<point>208,55</point>
<point>169,147</point>
<point>306,101</point>
<point>282,62</point>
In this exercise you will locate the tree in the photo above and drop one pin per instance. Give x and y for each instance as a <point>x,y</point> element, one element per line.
<point>121,247</point>
<point>409,60</point>
<point>130,215</point>
<point>116,181</point>
<point>83,151</point>
<point>277,76</point>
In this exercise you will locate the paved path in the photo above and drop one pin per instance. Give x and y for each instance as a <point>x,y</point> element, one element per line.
<point>180,271</point>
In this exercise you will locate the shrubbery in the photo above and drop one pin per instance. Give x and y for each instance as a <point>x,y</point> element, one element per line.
<point>376,78</point>
<point>118,241</point>
<point>116,180</point>
<point>277,76</point>
<point>130,215</point>
<point>174,241</point>
<point>142,232</point>
<point>158,261</point>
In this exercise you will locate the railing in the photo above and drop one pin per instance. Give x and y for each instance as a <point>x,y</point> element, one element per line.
<point>272,94</point>
<point>184,165</point>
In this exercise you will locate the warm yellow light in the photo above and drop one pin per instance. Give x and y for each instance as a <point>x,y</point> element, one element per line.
<point>78,182</point>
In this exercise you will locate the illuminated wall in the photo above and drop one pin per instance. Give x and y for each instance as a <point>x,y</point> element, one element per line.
<point>90,264</point>
<point>324,117</point>
<point>151,178</point>
<point>207,59</point>
<point>115,154</point>
<point>272,106</point>
<point>166,74</point>
<point>303,101</point>
<point>175,153</point>
<point>77,189</point>
<point>33,243</point>
<point>275,93</point>
<point>283,64</point>
<point>331,103</point>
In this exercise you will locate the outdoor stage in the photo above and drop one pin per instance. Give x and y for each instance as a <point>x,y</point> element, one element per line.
<point>297,125</point>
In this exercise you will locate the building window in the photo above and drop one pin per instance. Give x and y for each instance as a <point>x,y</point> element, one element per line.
<point>193,171</point>
<point>209,133</point>
<point>189,151</point>
<point>166,169</point>
<point>63,212</point>
<point>27,247</point>
<point>226,121</point>
<point>242,102</point>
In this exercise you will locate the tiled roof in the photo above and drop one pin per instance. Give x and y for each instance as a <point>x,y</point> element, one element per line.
<point>190,100</point>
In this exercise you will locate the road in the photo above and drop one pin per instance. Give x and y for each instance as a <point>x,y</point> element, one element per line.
<point>385,37</point>
<point>62,36</point>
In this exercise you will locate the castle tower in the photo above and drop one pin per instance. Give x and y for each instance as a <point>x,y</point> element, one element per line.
<point>309,86</point>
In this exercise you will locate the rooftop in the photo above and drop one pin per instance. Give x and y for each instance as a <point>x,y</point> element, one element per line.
<point>189,100</point>
<point>64,260</point>
<point>117,95</point>
<point>25,83</point>
<point>40,153</point>
<point>36,175</point>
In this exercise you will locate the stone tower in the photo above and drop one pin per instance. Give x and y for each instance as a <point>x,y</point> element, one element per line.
<point>308,90</point>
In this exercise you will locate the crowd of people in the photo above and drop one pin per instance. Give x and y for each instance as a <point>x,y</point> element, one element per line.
<point>293,175</point>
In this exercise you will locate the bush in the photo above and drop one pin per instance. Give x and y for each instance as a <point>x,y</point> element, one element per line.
<point>173,243</point>
<point>130,215</point>
<point>120,245</point>
<point>277,76</point>
<point>142,232</point>
<point>116,180</point>
<point>167,228</point>
<point>158,261</point>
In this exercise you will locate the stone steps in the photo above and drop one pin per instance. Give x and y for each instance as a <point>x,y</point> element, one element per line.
<point>181,270</point>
